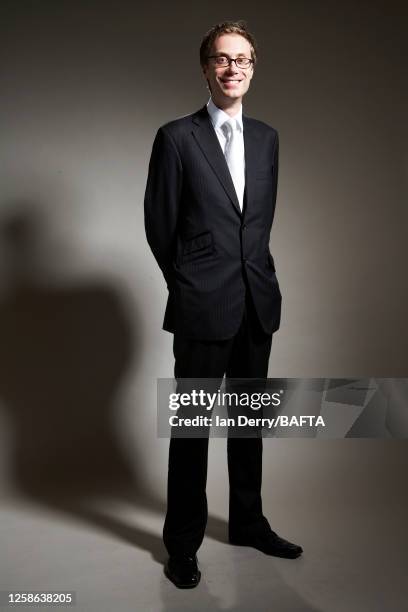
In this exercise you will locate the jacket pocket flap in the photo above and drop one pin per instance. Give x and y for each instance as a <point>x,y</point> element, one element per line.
<point>197,243</point>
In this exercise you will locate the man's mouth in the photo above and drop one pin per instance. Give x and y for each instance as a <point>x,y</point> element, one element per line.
<point>231,82</point>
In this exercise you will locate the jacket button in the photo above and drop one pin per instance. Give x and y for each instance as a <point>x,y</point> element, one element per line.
<point>244,227</point>
<point>245,260</point>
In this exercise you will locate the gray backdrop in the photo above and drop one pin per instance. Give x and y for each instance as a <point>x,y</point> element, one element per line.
<point>85,85</point>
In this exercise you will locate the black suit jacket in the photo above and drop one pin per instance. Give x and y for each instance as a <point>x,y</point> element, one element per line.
<point>205,247</point>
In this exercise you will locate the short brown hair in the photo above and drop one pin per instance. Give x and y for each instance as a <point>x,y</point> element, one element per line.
<point>226,27</point>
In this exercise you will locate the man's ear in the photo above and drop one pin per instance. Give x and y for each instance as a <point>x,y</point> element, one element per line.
<point>204,69</point>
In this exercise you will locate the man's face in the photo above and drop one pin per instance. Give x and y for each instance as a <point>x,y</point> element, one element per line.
<point>229,83</point>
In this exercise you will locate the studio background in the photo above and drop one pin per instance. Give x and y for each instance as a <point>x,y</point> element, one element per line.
<point>85,86</point>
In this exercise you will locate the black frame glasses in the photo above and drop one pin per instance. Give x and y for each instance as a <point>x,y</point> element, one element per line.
<point>228,60</point>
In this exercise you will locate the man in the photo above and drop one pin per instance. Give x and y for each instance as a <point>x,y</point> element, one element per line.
<point>209,206</point>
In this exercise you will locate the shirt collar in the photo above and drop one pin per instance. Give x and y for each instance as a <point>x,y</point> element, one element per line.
<point>218,116</point>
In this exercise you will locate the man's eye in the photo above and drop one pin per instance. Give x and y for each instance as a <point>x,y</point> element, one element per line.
<point>221,59</point>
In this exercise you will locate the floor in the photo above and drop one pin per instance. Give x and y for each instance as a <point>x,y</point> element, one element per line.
<point>109,551</point>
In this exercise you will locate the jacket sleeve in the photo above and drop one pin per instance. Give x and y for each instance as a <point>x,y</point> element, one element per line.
<point>162,201</point>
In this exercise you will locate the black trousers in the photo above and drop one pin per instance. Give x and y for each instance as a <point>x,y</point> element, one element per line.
<point>244,356</point>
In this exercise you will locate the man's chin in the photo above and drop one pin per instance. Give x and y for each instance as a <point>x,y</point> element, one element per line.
<point>231,95</point>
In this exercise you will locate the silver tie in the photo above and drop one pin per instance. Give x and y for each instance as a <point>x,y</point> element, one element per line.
<point>234,155</point>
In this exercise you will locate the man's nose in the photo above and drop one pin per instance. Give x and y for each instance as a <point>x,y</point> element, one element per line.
<point>232,68</point>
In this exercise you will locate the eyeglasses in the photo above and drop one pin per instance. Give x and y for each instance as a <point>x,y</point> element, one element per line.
<point>223,61</point>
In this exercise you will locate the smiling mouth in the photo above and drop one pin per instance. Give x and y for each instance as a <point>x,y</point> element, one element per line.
<point>231,80</point>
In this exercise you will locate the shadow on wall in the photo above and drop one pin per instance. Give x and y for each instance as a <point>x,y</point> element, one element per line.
<point>64,351</point>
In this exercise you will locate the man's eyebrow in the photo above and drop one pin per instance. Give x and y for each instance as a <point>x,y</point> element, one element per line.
<point>227,54</point>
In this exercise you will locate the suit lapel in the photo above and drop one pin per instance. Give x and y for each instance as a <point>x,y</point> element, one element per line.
<point>252,148</point>
<point>207,140</point>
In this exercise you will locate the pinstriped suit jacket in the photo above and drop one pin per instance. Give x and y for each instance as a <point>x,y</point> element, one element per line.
<point>207,249</point>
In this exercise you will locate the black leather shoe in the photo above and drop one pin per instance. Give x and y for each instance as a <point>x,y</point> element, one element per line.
<point>183,571</point>
<point>269,543</point>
